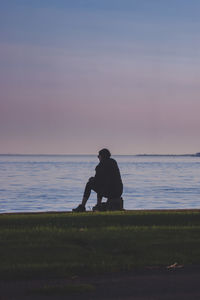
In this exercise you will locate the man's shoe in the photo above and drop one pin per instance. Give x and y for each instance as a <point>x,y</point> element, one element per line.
<point>100,207</point>
<point>79,208</point>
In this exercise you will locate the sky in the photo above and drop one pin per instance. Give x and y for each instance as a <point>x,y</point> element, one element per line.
<point>78,76</point>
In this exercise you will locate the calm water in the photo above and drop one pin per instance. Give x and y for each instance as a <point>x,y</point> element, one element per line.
<point>56,183</point>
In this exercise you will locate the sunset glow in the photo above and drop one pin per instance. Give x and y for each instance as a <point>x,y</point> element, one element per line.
<point>76,76</point>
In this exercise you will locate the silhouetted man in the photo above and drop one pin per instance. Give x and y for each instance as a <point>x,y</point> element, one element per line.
<point>106,183</point>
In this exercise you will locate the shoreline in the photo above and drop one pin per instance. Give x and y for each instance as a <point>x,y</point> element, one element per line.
<point>89,211</point>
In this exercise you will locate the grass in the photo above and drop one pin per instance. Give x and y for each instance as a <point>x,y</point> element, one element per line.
<point>50,245</point>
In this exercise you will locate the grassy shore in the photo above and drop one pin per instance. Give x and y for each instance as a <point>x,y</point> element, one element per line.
<point>50,245</point>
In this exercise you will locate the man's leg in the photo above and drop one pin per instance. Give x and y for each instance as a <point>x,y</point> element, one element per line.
<point>99,199</point>
<point>88,188</point>
<point>99,206</point>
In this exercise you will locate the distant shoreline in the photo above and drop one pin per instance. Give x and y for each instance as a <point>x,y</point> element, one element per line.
<point>136,155</point>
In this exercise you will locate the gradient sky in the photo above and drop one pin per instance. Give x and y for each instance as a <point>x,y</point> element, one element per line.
<point>79,75</point>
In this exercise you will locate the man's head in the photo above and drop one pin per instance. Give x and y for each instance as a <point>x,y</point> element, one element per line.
<point>104,154</point>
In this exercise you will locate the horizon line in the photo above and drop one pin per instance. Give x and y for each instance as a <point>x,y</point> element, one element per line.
<point>87,154</point>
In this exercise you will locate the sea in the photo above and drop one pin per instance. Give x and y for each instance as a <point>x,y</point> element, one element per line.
<point>42,183</point>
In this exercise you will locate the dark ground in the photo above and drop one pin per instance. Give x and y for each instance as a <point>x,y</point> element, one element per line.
<point>149,283</point>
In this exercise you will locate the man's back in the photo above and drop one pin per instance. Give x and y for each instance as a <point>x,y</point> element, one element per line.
<point>108,177</point>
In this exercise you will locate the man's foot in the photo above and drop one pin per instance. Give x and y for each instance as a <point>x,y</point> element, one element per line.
<point>79,208</point>
<point>100,207</point>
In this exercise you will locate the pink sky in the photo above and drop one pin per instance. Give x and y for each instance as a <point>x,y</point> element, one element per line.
<point>130,95</point>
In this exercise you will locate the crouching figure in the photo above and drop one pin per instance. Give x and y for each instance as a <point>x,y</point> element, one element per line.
<point>106,183</point>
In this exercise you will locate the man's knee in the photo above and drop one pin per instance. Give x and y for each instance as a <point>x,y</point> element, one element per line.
<point>91,179</point>
<point>91,184</point>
